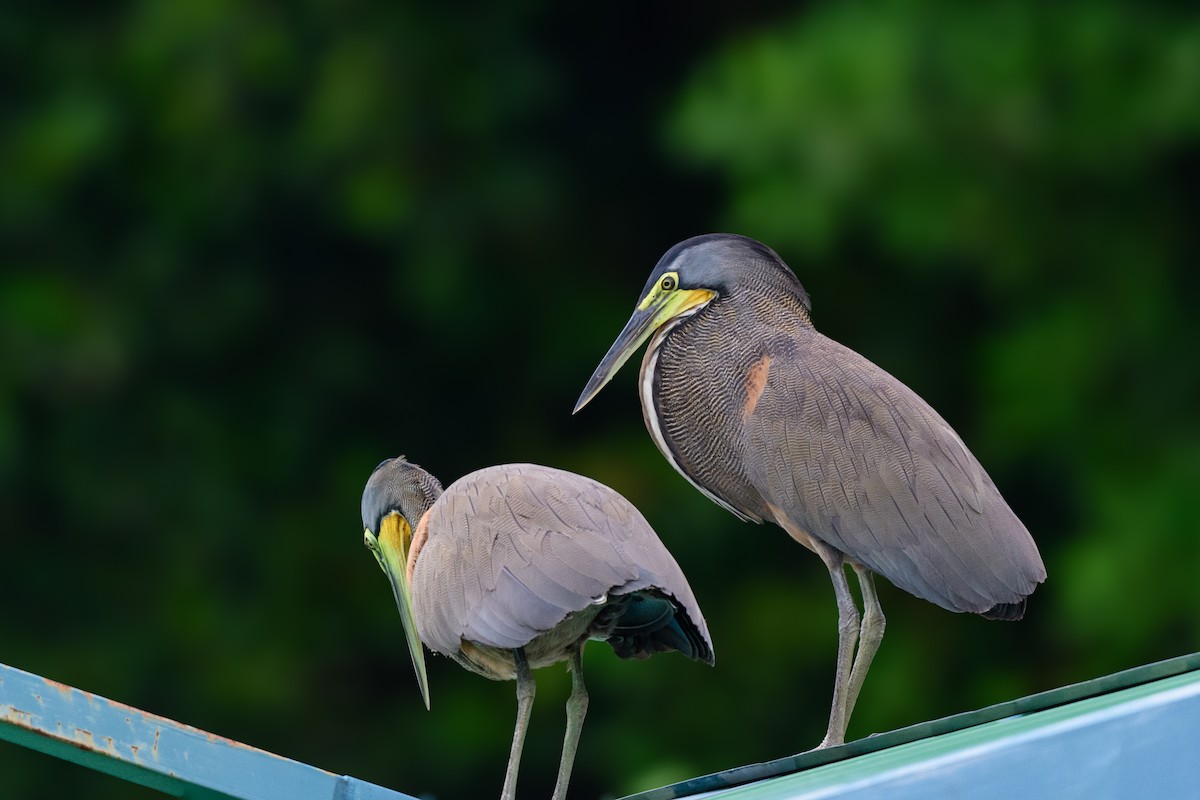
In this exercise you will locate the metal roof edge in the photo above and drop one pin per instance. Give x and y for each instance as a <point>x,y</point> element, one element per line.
<point>158,752</point>
<point>1042,701</point>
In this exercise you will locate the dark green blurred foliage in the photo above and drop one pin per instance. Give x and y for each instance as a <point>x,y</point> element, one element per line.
<point>248,252</point>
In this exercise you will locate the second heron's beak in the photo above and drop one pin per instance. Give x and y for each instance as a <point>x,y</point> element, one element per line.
<point>391,551</point>
<point>657,308</point>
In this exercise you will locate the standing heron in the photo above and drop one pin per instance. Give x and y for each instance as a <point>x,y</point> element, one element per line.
<point>774,421</point>
<point>516,567</point>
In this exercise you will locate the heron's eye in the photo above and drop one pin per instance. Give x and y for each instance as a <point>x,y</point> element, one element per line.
<point>668,283</point>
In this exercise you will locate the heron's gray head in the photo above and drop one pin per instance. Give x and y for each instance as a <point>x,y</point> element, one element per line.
<point>396,497</point>
<point>401,486</point>
<point>686,279</point>
<point>721,263</point>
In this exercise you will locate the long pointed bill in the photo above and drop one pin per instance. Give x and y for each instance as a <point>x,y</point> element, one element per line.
<point>656,308</point>
<point>391,550</point>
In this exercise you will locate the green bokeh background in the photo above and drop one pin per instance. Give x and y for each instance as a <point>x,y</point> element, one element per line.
<point>250,249</point>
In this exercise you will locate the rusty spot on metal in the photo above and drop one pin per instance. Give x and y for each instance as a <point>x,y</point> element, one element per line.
<point>85,738</point>
<point>62,688</point>
<point>216,737</point>
<point>154,749</point>
<point>16,716</point>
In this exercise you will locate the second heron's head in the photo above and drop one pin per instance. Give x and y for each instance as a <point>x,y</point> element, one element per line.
<point>686,279</point>
<point>396,497</point>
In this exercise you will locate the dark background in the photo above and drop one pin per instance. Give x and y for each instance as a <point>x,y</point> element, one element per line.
<point>251,249</point>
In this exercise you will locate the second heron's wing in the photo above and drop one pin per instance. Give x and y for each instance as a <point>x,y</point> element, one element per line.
<point>858,460</point>
<point>514,549</point>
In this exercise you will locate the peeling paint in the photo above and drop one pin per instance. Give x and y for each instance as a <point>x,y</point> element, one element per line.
<point>85,738</point>
<point>217,738</point>
<point>16,716</point>
<point>136,745</point>
<point>62,688</point>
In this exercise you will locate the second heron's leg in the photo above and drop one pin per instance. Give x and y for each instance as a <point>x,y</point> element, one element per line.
<point>577,705</point>
<point>869,636</point>
<point>525,691</point>
<point>848,629</point>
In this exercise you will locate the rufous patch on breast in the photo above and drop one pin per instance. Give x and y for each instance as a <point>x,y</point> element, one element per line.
<point>418,541</point>
<point>756,381</point>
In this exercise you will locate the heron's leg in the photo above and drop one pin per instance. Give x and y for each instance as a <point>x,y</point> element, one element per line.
<point>869,636</point>
<point>848,629</point>
<point>525,691</point>
<point>577,705</point>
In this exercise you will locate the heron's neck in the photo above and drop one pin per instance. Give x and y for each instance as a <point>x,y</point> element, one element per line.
<point>420,496</point>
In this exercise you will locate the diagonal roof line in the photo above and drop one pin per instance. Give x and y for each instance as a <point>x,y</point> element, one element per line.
<point>1042,701</point>
<point>154,751</point>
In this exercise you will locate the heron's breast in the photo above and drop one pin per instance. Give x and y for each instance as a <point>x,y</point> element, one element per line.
<point>699,387</point>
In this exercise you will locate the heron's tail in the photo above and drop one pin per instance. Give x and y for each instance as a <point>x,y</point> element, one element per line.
<point>1006,611</point>
<point>650,623</point>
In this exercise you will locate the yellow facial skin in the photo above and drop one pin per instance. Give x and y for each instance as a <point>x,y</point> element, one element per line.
<point>390,549</point>
<point>665,301</point>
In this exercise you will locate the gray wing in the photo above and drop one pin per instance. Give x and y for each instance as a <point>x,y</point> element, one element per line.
<point>861,462</point>
<point>514,549</point>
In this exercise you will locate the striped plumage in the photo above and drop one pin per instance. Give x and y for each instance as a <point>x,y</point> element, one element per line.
<point>847,452</point>
<point>777,422</point>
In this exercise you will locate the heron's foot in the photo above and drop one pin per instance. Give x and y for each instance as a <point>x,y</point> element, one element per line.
<point>829,741</point>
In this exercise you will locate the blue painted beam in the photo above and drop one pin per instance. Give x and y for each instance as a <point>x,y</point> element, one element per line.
<point>154,751</point>
<point>1139,742</point>
<point>1130,734</point>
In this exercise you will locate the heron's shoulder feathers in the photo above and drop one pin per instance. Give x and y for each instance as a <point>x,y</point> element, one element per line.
<point>514,549</point>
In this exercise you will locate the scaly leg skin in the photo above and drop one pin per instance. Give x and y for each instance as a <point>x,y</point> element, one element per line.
<point>869,637</point>
<point>577,705</point>
<point>525,691</point>
<point>848,630</point>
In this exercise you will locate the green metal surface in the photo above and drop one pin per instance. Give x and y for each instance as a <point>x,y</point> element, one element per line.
<point>927,741</point>
<point>873,766</point>
<point>1127,734</point>
<point>157,752</point>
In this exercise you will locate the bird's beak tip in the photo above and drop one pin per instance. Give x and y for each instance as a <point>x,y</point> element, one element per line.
<point>594,385</point>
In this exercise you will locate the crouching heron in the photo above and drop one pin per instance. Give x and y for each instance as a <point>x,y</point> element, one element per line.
<point>774,421</point>
<point>516,567</point>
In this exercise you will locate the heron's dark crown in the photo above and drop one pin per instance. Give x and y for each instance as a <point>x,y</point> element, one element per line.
<point>724,262</point>
<point>398,485</point>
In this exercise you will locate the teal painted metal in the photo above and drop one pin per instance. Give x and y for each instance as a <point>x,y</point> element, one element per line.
<point>1125,735</point>
<point>154,751</point>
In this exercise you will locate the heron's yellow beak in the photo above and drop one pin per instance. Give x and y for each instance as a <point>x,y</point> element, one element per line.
<point>658,307</point>
<point>391,551</point>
